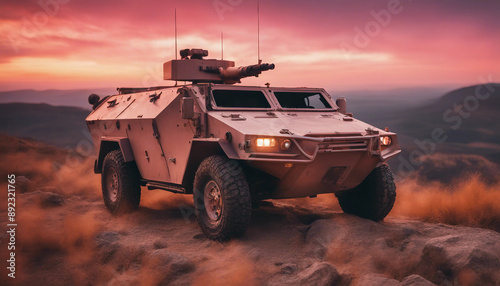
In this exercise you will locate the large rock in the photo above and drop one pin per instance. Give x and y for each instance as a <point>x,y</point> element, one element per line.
<point>474,257</point>
<point>439,253</point>
<point>325,231</point>
<point>375,280</point>
<point>416,280</point>
<point>320,273</point>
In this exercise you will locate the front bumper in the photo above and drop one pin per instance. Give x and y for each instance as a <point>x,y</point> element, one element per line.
<point>307,148</point>
<point>323,164</point>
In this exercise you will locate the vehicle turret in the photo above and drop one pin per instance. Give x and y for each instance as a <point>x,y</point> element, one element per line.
<point>193,67</point>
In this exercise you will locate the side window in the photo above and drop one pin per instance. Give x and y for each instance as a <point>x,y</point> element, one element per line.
<point>240,98</point>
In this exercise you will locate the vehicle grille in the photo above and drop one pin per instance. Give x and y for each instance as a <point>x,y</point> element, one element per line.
<point>334,144</point>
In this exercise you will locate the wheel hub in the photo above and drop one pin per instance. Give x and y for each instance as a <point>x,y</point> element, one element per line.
<point>112,184</point>
<point>213,202</point>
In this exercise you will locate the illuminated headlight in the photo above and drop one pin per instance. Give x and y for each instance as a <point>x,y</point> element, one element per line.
<point>266,142</point>
<point>385,140</point>
<point>286,144</point>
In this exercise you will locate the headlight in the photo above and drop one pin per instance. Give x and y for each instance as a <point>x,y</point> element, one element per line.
<point>385,140</point>
<point>286,144</point>
<point>265,142</point>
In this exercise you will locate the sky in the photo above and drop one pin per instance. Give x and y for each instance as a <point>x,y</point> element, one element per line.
<point>335,44</point>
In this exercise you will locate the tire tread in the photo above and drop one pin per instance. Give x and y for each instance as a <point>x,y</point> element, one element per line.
<point>234,187</point>
<point>130,196</point>
<point>373,198</point>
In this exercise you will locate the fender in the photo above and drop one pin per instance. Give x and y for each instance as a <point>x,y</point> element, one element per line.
<point>201,149</point>
<point>108,144</point>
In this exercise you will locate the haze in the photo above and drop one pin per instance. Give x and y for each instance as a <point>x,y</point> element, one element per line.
<point>341,45</point>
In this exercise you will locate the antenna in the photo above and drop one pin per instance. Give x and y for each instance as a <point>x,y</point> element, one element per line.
<point>222,44</point>
<point>175,19</point>
<point>258,32</point>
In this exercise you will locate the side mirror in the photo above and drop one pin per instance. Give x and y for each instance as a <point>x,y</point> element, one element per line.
<point>187,108</point>
<point>342,104</point>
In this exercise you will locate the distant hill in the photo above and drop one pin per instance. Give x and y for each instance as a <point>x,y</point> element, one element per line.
<point>471,124</point>
<point>375,106</point>
<point>77,97</point>
<point>461,110</point>
<point>13,145</point>
<point>55,125</point>
<point>471,127</point>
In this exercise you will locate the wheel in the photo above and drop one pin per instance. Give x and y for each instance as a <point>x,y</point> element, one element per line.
<point>121,188</point>
<point>222,199</point>
<point>373,198</point>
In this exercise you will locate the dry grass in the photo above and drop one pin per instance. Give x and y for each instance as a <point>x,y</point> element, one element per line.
<point>468,202</point>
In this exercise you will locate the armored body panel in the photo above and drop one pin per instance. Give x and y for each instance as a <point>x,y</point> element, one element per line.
<point>322,141</point>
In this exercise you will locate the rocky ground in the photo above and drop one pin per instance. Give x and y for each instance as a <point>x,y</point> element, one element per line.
<point>72,240</point>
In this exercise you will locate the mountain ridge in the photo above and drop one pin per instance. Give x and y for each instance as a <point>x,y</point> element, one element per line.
<point>59,126</point>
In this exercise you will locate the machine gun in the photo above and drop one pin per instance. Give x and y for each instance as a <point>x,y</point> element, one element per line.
<point>192,67</point>
<point>233,75</point>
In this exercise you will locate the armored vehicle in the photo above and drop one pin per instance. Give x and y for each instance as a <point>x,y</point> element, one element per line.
<point>233,146</point>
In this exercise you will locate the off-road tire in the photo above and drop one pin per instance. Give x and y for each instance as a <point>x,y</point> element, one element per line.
<point>226,178</point>
<point>373,198</point>
<point>127,188</point>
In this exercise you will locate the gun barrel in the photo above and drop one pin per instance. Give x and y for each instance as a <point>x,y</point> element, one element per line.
<point>232,74</point>
<point>255,69</point>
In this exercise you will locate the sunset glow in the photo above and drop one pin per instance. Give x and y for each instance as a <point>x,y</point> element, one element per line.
<point>68,44</point>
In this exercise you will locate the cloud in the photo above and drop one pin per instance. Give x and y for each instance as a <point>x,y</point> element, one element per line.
<point>428,42</point>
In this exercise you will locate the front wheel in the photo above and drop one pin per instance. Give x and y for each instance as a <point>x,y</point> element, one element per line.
<point>121,188</point>
<point>373,198</point>
<point>221,198</point>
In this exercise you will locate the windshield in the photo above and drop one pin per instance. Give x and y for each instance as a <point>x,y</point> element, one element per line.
<point>240,98</point>
<point>309,100</point>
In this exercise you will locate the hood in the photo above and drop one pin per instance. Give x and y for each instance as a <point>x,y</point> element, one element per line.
<point>299,123</point>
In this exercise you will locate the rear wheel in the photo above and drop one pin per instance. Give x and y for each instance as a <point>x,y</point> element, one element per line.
<point>120,182</point>
<point>221,198</point>
<point>373,198</point>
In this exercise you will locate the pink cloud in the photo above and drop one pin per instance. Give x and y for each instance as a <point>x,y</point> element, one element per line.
<point>427,42</point>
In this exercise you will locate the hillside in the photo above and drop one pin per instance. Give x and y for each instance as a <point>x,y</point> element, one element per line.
<point>76,97</point>
<point>55,125</point>
<point>464,114</point>
<point>13,145</point>
<point>469,130</point>
<point>375,106</point>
